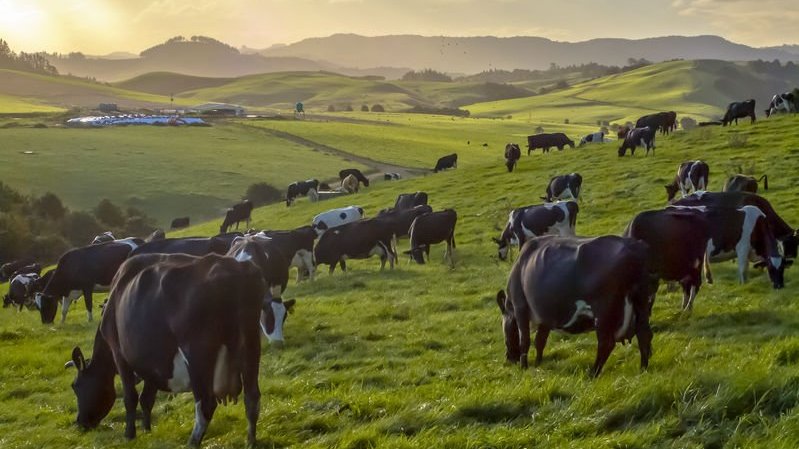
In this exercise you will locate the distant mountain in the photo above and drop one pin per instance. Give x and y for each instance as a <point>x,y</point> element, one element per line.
<point>475,54</point>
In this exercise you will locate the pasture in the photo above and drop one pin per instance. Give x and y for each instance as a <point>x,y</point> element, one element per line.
<point>415,357</point>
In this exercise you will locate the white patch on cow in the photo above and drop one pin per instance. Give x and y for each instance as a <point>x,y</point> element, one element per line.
<point>222,374</point>
<point>279,311</point>
<point>697,263</point>
<point>582,309</point>
<point>303,260</point>
<point>696,208</point>
<point>24,279</point>
<point>776,261</point>
<point>243,256</point>
<point>180,381</point>
<point>200,423</point>
<point>128,241</point>
<point>628,318</point>
<point>37,299</point>
<point>333,218</point>
<point>74,295</point>
<point>752,214</point>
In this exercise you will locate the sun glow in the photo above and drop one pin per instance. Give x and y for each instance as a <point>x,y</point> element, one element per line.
<point>20,20</point>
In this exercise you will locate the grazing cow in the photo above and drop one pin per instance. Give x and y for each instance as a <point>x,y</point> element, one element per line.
<point>179,223</point>
<point>738,110</point>
<point>336,217</point>
<point>536,220</point>
<point>785,102</point>
<point>410,200</point>
<point>448,161</point>
<point>391,176</point>
<point>734,233</point>
<point>576,285</point>
<point>80,270</point>
<point>671,122</point>
<point>274,267</point>
<point>545,141</point>
<point>238,213</point>
<point>106,236</point>
<point>733,200</point>
<point>400,220</point>
<point>296,244</point>
<point>677,243</point>
<point>664,122</point>
<point>178,323</point>
<point>564,187</point>
<point>350,184</point>
<point>300,188</point>
<point>354,172</point>
<point>7,270</point>
<point>23,287</point>
<point>598,137</point>
<point>429,229</point>
<point>743,183</point>
<point>691,176</point>
<point>194,246</point>
<point>512,155</point>
<point>357,240</point>
<point>644,137</point>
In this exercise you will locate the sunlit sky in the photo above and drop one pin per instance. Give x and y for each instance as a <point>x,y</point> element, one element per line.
<point>104,26</point>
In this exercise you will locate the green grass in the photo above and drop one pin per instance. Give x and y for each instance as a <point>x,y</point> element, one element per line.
<point>166,171</point>
<point>413,358</point>
<point>12,104</point>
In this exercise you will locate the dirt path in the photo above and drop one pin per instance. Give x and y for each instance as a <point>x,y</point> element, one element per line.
<point>376,168</point>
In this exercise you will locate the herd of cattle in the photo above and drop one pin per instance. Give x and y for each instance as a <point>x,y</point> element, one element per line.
<point>185,314</point>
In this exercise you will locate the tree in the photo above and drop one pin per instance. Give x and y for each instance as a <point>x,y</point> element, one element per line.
<point>378,108</point>
<point>348,108</point>
<point>79,228</point>
<point>262,193</point>
<point>331,108</point>
<point>109,213</point>
<point>426,75</point>
<point>365,108</point>
<point>49,206</point>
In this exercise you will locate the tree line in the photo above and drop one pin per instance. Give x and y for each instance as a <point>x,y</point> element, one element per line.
<point>26,62</point>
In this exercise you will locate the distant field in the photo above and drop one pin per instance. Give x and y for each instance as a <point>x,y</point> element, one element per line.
<point>168,172</point>
<point>12,104</point>
<point>414,358</point>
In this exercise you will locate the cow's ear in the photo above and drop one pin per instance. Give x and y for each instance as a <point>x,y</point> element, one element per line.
<point>501,300</point>
<point>289,304</point>
<point>77,360</point>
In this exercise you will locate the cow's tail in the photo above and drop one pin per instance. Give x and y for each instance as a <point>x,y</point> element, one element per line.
<point>764,178</point>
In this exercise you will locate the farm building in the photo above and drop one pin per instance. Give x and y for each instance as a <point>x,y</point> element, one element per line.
<point>219,109</point>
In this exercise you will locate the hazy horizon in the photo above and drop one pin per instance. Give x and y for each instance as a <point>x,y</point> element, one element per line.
<point>99,27</point>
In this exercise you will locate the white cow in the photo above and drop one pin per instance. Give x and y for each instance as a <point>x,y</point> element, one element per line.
<point>336,217</point>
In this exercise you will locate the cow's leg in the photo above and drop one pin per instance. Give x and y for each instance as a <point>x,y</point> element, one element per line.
<point>252,393</point>
<point>742,253</point>
<point>689,290</point>
<point>332,268</point>
<point>87,296</point>
<point>708,252</point>
<point>605,344</point>
<point>643,332</point>
<point>201,376</point>
<point>147,400</point>
<point>523,322</point>
<point>65,302</point>
<point>131,396</point>
<point>343,264</point>
<point>541,336</point>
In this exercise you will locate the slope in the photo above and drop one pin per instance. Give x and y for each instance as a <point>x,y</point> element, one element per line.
<point>168,83</point>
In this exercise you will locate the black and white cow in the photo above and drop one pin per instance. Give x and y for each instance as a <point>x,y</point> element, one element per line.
<point>445,162</point>
<point>354,172</point>
<point>785,102</point>
<point>356,240</point>
<point>178,323</point>
<point>691,176</point>
<point>743,183</point>
<point>180,222</point>
<point>564,187</point>
<point>734,234</point>
<point>410,200</point>
<point>597,137</point>
<point>734,200</point>
<point>238,213</point>
<point>106,236</point>
<point>432,228</point>
<point>274,268</point>
<point>644,137</point>
<point>301,188</point>
<point>297,244</point>
<point>80,271</point>
<point>738,110</point>
<point>677,242</point>
<point>512,155</point>
<point>9,269</point>
<point>527,222</point>
<point>393,176</point>
<point>23,287</point>
<point>336,217</point>
<point>575,285</point>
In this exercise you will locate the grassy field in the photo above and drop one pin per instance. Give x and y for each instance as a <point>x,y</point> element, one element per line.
<point>166,171</point>
<point>413,358</point>
<point>14,104</point>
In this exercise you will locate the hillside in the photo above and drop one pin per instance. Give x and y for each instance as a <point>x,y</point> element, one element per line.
<point>697,88</point>
<point>168,83</point>
<point>66,92</point>
<point>470,54</point>
<point>414,357</point>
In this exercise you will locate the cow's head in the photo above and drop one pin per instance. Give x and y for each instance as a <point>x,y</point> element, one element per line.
<point>671,191</point>
<point>47,305</point>
<point>417,253</point>
<point>503,247</point>
<point>273,317</point>
<point>94,389</point>
<point>509,328</point>
<point>622,151</point>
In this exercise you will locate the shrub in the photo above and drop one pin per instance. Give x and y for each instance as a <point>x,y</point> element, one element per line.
<point>331,108</point>
<point>79,228</point>
<point>348,108</point>
<point>365,108</point>
<point>378,108</point>
<point>566,121</point>
<point>109,213</point>
<point>49,206</point>
<point>687,123</point>
<point>539,129</point>
<point>262,193</point>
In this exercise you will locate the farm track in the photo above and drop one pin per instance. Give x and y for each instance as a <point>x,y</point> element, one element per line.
<point>377,168</point>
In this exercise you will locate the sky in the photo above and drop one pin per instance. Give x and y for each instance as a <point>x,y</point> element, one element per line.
<point>102,26</point>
